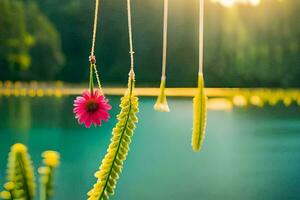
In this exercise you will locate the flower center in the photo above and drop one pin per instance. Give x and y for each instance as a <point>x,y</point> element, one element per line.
<point>91,106</point>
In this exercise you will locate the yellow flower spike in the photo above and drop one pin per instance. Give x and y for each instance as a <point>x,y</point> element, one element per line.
<point>44,170</point>
<point>161,102</point>
<point>117,152</point>
<point>9,186</point>
<point>199,101</point>
<point>5,195</point>
<point>20,148</point>
<point>51,161</point>
<point>200,113</point>
<point>51,158</point>
<point>112,164</point>
<point>20,174</point>
<point>8,192</point>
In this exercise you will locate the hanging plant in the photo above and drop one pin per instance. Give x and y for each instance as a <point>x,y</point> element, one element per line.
<point>117,152</point>
<point>161,102</point>
<point>92,106</point>
<point>112,164</point>
<point>199,122</point>
<point>199,101</point>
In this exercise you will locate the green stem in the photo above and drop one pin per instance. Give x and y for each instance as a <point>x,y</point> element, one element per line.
<point>91,79</point>
<point>11,195</point>
<point>50,181</point>
<point>23,172</point>
<point>46,187</point>
<point>43,195</point>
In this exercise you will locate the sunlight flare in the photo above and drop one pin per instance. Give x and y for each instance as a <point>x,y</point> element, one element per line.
<point>230,3</point>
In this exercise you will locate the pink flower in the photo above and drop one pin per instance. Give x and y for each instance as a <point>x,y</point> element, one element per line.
<point>91,108</point>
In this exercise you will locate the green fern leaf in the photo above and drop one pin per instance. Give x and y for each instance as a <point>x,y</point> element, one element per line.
<point>20,173</point>
<point>200,112</point>
<point>112,164</point>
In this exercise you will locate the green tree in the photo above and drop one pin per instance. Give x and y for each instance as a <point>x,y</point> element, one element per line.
<point>47,53</point>
<point>15,41</point>
<point>29,44</point>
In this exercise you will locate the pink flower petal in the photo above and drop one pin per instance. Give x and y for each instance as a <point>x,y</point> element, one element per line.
<point>88,122</point>
<point>91,109</point>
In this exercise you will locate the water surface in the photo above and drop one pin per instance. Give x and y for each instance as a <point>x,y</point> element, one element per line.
<point>249,153</point>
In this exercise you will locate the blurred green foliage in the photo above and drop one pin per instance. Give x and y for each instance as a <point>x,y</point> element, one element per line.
<point>245,46</point>
<point>29,44</point>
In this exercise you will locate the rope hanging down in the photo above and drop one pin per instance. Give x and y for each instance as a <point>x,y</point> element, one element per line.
<point>165,39</point>
<point>95,28</point>
<point>92,57</point>
<point>130,37</point>
<point>112,164</point>
<point>201,35</point>
<point>161,102</point>
<point>200,110</point>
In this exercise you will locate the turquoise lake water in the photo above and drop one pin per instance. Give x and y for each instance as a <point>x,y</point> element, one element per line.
<point>249,153</point>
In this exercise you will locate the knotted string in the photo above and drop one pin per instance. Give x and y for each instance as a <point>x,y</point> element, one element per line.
<point>131,52</point>
<point>92,57</point>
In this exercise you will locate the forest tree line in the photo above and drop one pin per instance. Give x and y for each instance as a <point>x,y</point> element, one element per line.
<point>245,46</point>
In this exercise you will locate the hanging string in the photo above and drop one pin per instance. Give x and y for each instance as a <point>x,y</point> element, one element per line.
<point>199,101</point>
<point>95,28</point>
<point>97,78</point>
<point>165,39</point>
<point>161,102</point>
<point>130,37</point>
<point>201,35</point>
<point>92,56</point>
